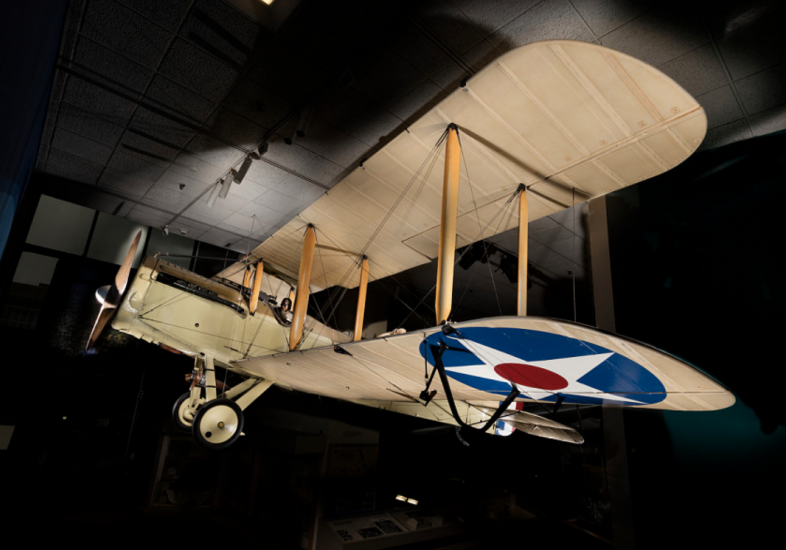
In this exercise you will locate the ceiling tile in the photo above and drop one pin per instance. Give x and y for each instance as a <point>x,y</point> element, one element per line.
<point>698,71</point>
<point>265,215</point>
<point>98,101</point>
<point>164,197</point>
<point>224,32</point>
<point>161,128</point>
<point>198,71</point>
<point>764,90</point>
<point>387,78</point>
<point>110,68</point>
<point>489,17</point>
<point>214,152</point>
<point>299,188</point>
<point>126,32</point>
<point>546,21</point>
<point>727,16</point>
<point>448,24</point>
<point>257,103</point>
<point>154,152</point>
<point>264,173</point>
<point>173,180</point>
<point>658,36</point>
<point>81,147</point>
<point>754,47</point>
<point>244,245</point>
<point>179,100</point>
<point>220,237</point>
<point>195,168</point>
<point>193,229</point>
<point>291,156</point>
<point>287,73</point>
<point>417,49</point>
<point>235,129</point>
<point>69,166</point>
<point>88,125</point>
<point>167,14</point>
<point>110,204</point>
<point>245,225</point>
<point>148,216</point>
<point>275,200</point>
<point>247,189</point>
<point>723,135</point>
<point>770,121</point>
<point>209,215</point>
<point>322,170</point>
<point>134,165</point>
<point>331,45</point>
<point>124,184</point>
<point>721,107</point>
<point>416,102</point>
<point>603,16</point>
<point>346,151</point>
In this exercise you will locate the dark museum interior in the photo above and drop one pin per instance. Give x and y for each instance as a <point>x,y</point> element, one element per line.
<point>121,115</point>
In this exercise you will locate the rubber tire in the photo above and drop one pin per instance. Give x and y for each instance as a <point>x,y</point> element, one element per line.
<point>178,420</point>
<point>206,420</point>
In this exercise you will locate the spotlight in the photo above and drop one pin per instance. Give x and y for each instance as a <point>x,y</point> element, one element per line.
<point>166,230</point>
<point>226,185</point>
<point>214,193</point>
<point>243,169</point>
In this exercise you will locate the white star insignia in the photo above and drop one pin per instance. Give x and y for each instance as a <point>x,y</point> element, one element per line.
<point>569,368</point>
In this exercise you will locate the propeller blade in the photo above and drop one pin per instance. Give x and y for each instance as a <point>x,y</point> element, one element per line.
<point>114,294</point>
<point>107,310</point>
<point>121,279</point>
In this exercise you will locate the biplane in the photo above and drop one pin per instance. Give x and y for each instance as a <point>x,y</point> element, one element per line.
<point>540,125</point>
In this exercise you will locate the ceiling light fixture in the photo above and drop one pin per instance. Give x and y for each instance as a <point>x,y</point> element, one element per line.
<point>227,184</point>
<point>214,193</point>
<point>244,168</point>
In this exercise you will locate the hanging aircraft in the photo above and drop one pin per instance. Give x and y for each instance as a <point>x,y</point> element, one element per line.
<point>540,125</point>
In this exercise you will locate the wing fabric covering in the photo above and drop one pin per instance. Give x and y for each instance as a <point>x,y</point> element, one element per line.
<point>568,119</point>
<point>393,369</point>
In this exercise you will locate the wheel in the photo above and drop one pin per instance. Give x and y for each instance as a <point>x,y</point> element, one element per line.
<point>218,424</point>
<point>179,410</point>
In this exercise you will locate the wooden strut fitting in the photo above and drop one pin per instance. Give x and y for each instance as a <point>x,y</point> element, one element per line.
<point>521,305</point>
<point>447,234</point>
<point>361,299</point>
<point>253,302</point>
<point>247,277</point>
<point>303,281</point>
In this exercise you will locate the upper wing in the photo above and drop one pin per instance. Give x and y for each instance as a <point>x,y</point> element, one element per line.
<point>559,116</point>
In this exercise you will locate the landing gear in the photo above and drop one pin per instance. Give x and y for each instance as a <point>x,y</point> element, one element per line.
<point>215,420</point>
<point>218,424</point>
<point>182,412</point>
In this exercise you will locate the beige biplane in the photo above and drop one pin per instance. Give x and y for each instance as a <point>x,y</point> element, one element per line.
<point>540,125</point>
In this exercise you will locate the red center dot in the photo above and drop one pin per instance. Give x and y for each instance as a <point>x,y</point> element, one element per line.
<point>531,376</point>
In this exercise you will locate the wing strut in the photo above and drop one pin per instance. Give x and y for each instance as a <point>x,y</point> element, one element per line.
<point>521,308</point>
<point>447,226</point>
<point>436,352</point>
<point>303,280</point>
<point>253,301</point>
<point>361,299</point>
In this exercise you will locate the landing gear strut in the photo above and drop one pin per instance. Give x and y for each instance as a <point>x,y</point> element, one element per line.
<point>215,420</point>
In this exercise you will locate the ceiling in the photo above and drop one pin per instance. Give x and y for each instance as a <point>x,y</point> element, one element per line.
<point>153,102</point>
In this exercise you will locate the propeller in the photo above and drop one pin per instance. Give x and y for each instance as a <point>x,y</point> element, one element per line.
<point>111,295</point>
